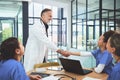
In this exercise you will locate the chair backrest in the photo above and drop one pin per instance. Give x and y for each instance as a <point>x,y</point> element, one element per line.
<point>46,64</point>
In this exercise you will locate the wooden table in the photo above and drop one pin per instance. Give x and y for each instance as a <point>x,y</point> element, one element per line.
<point>101,76</point>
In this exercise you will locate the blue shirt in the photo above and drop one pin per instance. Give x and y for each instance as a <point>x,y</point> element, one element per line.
<point>115,74</point>
<point>12,70</point>
<point>103,58</point>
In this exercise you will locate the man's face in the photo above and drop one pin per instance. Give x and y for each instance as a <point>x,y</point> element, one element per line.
<point>47,16</point>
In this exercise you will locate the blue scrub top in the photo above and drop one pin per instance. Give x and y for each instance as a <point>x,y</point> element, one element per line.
<point>12,70</point>
<point>103,58</point>
<point>115,74</point>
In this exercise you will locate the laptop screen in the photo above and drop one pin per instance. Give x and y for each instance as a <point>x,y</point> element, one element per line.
<point>73,66</point>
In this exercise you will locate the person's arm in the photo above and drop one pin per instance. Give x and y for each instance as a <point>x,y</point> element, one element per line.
<point>38,32</point>
<point>81,53</point>
<point>75,53</point>
<point>64,53</point>
<point>99,68</point>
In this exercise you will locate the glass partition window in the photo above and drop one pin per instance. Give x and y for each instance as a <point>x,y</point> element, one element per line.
<point>64,32</point>
<point>7,26</point>
<point>81,25</point>
<point>74,23</point>
<point>20,25</point>
<point>53,31</point>
<point>74,36</point>
<point>81,36</point>
<point>10,19</point>
<point>91,19</point>
<point>117,15</point>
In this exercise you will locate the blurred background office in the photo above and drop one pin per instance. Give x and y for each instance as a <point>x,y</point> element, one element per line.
<point>76,24</point>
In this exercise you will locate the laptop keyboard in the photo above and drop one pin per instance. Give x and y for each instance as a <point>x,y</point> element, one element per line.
<point>41,74</point>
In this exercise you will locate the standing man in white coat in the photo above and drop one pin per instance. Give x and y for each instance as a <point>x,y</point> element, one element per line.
<point>38,42</point>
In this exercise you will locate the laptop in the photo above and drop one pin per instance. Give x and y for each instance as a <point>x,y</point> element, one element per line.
<point>73,66</point>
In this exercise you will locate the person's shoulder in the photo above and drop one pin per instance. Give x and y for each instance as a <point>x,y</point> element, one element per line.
<point>13,62</point>
<point>36,26</point>
<point>106,52</point>
<point>117,67</point>
<point>95,51</point>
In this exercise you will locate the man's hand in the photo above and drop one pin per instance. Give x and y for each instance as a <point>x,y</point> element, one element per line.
<point>64,53</point>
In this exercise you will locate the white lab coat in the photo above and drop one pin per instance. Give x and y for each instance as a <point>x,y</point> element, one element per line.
<point>36,46</point>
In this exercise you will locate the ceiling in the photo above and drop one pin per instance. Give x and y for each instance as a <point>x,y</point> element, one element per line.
<point>10,8</point>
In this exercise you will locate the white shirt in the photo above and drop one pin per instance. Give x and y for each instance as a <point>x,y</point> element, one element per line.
<point>36,46</point>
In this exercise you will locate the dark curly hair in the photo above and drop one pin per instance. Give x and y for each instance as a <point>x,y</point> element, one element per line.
<point>7,48</point>
<point>107,35</point>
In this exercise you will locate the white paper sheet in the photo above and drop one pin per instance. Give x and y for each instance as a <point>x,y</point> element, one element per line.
<point>51,77</point>
<point>40,70</point>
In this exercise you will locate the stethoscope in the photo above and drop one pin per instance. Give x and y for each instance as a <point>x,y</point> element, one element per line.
<point>65,76</point>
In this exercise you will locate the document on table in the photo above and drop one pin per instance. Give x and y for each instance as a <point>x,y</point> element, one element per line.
<point>90,78</point>
<point>51,77</point>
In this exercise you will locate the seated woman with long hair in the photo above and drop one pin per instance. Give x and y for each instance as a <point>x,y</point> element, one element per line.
<point>11,52</point>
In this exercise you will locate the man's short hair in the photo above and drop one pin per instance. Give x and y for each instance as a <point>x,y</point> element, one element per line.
<point>45,10</point>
